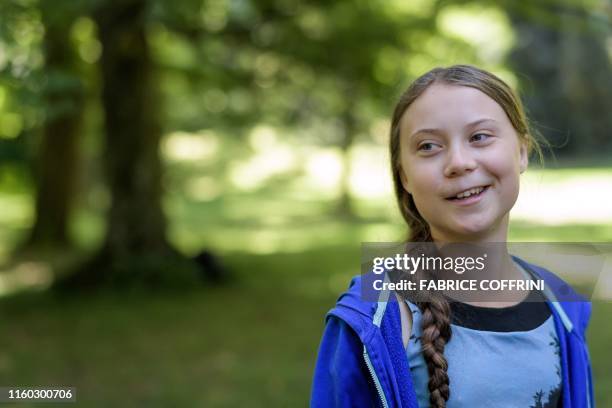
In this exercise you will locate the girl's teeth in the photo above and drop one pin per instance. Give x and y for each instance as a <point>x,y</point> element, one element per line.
<point>470,192</point>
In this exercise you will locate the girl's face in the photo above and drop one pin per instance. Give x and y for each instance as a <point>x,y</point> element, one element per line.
<point>461,160</point>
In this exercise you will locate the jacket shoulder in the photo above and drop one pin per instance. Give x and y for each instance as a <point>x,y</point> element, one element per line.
<point>352,301</point>
<point>576,307</point>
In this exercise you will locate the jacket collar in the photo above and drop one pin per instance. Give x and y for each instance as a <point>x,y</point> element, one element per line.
<point>374,311</point>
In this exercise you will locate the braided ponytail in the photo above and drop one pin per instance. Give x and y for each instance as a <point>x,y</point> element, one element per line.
<point>436,333</point>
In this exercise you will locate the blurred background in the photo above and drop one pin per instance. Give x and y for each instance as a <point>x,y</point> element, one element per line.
<point>184,186</point>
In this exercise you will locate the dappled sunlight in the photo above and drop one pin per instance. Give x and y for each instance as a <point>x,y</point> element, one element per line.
<point>383,232</point>
<point>11,125</point>
<point>203,188</point>
<point>379,131</point>
<point>389,65</point>
<point>84,33</point>
<point>421,8</point>
<point>324,169</point>
<point>479,25</point>
<point>263,137</point>
<point>265,242</point>
<point>16,210</point>
<point>371,173</point>
<point>282,236</point>
<point>549,197</point>
<point>185,146</point>
<point>420,62</point>
<point>272,157</point>
<point>275,240</point>
<point>25,275</point>
<point>369,177</point>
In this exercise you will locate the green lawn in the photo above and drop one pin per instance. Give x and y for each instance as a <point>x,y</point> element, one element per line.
<point>252,343</point>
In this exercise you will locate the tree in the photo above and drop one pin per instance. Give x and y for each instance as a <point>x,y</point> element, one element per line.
<point>565,74</point>
<point>135,248</point>
<point>56,164</point>
<point>330,40</point>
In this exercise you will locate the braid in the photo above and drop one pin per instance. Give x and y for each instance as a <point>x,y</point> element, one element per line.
<point>436,327</point>
<point>436,330</point>
<point>436,333</point>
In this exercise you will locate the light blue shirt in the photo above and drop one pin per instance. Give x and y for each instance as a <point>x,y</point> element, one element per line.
<point>493,369</point>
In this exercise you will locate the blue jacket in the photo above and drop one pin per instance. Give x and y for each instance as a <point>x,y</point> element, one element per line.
<point>362,361</point>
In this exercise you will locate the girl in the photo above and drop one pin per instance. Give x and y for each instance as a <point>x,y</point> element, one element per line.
<point>459,142</point>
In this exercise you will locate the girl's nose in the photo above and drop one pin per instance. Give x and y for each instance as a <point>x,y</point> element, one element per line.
<point>458,162</point>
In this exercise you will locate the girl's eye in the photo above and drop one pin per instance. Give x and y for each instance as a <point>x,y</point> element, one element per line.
<point>427,147</point>
<point>479,137</point>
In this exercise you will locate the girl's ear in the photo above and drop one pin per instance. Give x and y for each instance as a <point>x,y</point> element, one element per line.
<point>523,157</point>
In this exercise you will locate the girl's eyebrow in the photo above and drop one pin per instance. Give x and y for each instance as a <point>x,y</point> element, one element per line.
<point>480,122</point>
<point>469,125</point>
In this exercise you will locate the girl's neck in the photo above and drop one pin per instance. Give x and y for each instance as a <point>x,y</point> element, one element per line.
<point>499,263</point>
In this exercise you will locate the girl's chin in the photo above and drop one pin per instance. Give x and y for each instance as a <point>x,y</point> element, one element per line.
<point>470,231</point>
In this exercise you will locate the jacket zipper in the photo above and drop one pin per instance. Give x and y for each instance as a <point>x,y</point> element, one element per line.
<point>381,394</point>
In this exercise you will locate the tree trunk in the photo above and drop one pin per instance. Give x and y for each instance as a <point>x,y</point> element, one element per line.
<point>136,221</point>
<point>345,205</point>
<point>349,127</point>
<point>135,249</point>
<point>56,163</point>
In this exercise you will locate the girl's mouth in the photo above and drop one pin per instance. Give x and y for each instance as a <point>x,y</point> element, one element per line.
<point>470,196</point>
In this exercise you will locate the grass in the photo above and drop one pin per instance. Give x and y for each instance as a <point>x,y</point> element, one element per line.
<point>249,344</point>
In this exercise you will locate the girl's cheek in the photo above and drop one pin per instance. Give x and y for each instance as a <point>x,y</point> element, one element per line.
<point>423,177</point>
<point>499,162</point>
